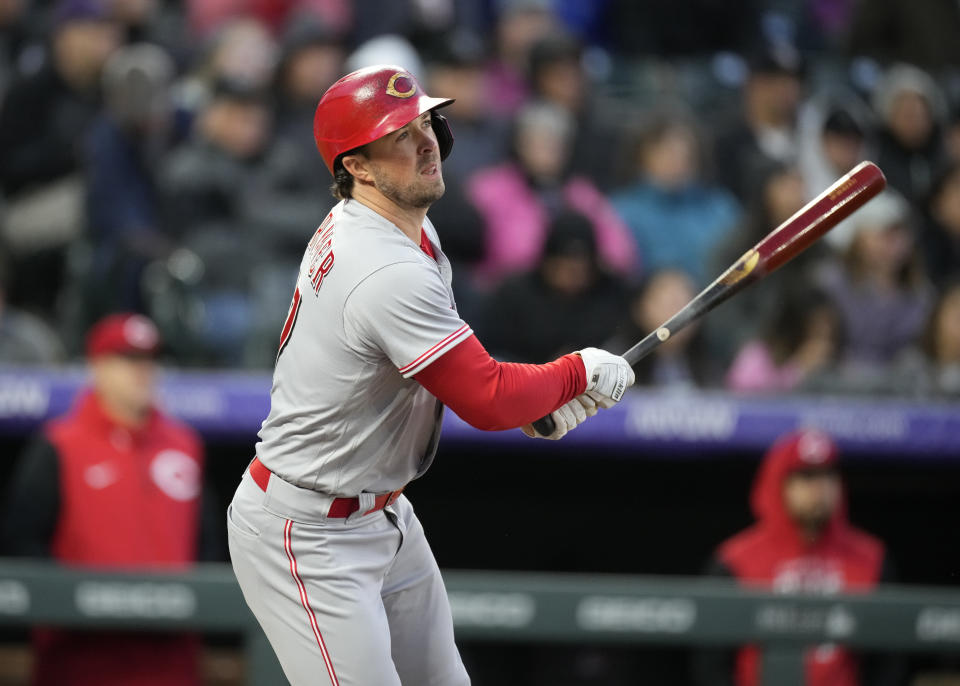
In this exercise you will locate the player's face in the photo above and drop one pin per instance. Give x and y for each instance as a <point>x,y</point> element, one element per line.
<point>405,165</point>
<point>125,382</point>
<point>812,497</point>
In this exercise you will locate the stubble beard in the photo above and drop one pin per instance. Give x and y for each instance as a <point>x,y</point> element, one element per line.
<point>417,195</point>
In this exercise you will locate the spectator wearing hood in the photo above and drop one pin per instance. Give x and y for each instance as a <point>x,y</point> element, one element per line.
<point>910,145</point>
<point>568,300</point>
<point>802,542</point>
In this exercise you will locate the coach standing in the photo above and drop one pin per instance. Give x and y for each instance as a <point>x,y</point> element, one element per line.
<point>114,484</point>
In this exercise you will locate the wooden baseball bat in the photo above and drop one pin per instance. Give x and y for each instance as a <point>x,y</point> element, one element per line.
<point>848,194</point>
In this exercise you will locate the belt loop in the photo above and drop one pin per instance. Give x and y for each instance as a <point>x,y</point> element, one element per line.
<point>366,501</point>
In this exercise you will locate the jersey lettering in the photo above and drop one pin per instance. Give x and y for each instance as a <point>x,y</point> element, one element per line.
<point>289,323</point>
<point>320,254</point>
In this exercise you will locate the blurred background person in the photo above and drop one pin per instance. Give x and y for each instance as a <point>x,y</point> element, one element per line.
<point>802,542</point>
<point>952,134</point>
<point>911,109</point>
<point>675,217</point>
<point>940,238</point>
<point>241,50</point>
<point>43,120</point>
<point>516,199</point>
<point>21,38</point>
<point>765,128</point>
<point>114,484</point>
<point>519,25</point>
<point>204,185</point>
<point>456,68</point>
<point>567,300</point>
<point>779,192</point>
<point>557,75</point>
<point>156,22</point>
<point>878,285</point>
<point>125,231</point>
<point>207,16</point>
<point>804,338</point>
<point>286,197</point>
<point>24,338</point>
<point>310,59</point>
<point>921,32</point>
<point>932,368</point>
<point>836,133</point>
<point>683,27</point>
<point>681,361</point>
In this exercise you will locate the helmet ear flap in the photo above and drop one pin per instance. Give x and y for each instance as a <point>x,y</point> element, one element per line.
<point>441,128</point>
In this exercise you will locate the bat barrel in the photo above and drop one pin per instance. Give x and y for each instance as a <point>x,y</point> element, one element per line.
<point>839,201</point>
<point>848,194</point>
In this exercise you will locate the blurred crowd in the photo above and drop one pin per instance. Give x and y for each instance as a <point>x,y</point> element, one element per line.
<point>611,159</point>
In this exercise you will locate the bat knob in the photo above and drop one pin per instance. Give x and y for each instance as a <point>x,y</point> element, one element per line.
<point>545,425</point>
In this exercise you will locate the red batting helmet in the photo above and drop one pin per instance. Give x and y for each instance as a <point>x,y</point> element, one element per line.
<point>369,103</point>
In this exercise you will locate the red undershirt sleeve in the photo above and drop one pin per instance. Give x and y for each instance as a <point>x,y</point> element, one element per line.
<point>494,396</point>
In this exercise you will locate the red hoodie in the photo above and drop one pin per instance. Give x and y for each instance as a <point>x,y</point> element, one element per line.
<point>772,554</point>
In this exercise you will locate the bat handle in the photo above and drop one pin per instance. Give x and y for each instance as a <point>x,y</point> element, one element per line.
<point>545,425</point>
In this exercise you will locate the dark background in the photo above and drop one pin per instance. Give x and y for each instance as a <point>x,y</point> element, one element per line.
<point>556,508</point>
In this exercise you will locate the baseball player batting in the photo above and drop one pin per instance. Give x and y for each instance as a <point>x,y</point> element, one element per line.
<point>328,552</point>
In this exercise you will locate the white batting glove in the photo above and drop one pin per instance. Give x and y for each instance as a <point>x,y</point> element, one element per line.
<point>567,417</point>
<point>608,376</point>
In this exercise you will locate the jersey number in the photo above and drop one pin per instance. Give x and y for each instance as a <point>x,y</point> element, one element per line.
<point>289,323</point>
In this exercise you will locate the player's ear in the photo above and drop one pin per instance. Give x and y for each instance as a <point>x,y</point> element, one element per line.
<point>358,166</point>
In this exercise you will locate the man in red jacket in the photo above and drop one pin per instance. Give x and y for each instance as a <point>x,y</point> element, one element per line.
<point>113,484</point>
<point>802,542</point>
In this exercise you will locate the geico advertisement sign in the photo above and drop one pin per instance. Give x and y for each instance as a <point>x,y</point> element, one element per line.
<point>501,610</point>
<point>939,624</point>
<point>648,615</point>
<point>14,598</point>
<point>149,600</point>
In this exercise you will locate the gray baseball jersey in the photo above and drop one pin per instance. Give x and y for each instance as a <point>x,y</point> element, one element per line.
<point>359,600</point>
<point>370,310</point>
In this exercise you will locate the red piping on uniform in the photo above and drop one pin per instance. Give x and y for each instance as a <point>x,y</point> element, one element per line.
<point>288,546</point>
<point>463,329</point>
<point>493,396</point>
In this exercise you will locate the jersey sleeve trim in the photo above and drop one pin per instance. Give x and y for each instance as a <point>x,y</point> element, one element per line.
<point>436,351</point>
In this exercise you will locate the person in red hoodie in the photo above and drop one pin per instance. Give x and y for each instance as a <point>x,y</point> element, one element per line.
<point>113,484</point>
<point>802,542</point>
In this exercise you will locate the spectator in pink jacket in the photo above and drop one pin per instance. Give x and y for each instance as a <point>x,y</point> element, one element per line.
<point>517,199</point>
<point>804,340</point>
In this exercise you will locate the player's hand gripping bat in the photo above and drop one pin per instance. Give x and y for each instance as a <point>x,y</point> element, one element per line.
<point>839,201</point>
